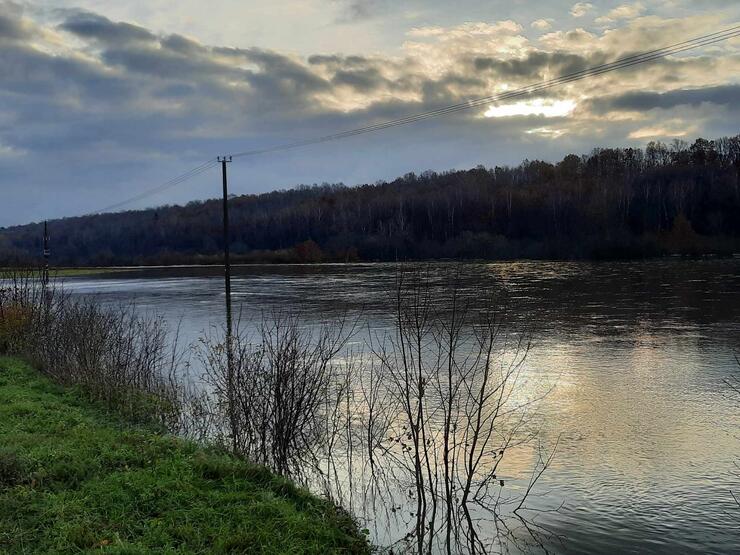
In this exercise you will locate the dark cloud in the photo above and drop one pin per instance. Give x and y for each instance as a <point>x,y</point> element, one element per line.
<point>359,10</point>
<point>167,64</point>
<point>183,45</point>
<point>447,89</point>
<point>93,26</point>
<point>641,101</point>
<point>282,77</point>
<point>368,75</point>
<point>177,90</point>
<point>177,58</point>
<point>534,64</point>
<point>138,50</point>
<point>12,28</point>
<point>363,80</point>
<point>28,71</point>
<point>336,61</point>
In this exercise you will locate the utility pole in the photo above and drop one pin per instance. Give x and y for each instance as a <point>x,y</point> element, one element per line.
<point>47,253</point>
<point>227,284</point>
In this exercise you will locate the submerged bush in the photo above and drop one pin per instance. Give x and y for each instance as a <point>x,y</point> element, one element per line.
<point>271,399</point>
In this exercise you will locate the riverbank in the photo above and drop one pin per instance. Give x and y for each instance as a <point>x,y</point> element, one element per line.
<point>72,272</point>
<point>75,479</point>
<point>216,263</point>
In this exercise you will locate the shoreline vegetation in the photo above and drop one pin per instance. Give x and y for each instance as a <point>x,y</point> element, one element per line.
<point>77,478</point>
<point>613,203</point>
<point>359,429</point>
<point>98,450</point>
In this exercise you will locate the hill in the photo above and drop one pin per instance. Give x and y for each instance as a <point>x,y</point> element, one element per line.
<point>614,202</point>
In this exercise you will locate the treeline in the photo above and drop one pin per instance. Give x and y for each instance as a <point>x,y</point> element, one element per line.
<point>679,198</point>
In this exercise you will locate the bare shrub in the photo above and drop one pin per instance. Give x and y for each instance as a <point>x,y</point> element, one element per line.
<point>123,359</point>
<point>451,374</point>
<point>422,424</point>
<point>733,382</point>
<point>23,303</point>
<point>273,410</point>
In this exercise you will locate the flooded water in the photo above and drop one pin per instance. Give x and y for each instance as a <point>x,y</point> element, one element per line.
<point>636,352</point>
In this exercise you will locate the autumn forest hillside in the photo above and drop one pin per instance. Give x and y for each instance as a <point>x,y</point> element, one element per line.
<point>677,198</point>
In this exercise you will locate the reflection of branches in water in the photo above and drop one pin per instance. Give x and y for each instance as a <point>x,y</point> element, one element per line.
<point>733,382</point>
<point>418,436</point>
<point>271,408</point>
<point>451,378</point>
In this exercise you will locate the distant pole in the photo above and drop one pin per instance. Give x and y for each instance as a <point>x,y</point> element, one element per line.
<point>47,253</point>
<point>227,284</point>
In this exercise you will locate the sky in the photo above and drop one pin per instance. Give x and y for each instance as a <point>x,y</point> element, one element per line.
<point>103,100</point>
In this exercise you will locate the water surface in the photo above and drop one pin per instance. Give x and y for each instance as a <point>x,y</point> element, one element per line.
<point>637,352</point>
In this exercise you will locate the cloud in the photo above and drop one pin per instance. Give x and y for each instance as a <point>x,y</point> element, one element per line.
<point>536,64</point>
<point>726,95</point>
<point>580,9</point>
<point>13,28</point>
<point>435,47</point>
<point>9,151</point>
<point>111,106</point>
<point>534,107</point>
<point>625,11</point>
<point>568,40</point>
<point>542,24</point>
<point>353,11</point>
<point>672,128</point>
<point>480,29</point>
<point>96,27</point>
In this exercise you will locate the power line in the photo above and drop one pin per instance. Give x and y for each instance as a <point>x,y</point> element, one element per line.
<point>205,166</point>
<point>622,63</point>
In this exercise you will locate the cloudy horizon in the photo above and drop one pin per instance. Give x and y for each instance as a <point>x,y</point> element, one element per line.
<point>99,105</point>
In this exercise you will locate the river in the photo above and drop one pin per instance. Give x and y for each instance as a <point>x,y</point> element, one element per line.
<point>636,354</point>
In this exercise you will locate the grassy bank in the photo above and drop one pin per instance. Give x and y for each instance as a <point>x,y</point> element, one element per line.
<point>75,479</point>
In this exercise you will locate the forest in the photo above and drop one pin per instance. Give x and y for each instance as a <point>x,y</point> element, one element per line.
<point>679,198</point>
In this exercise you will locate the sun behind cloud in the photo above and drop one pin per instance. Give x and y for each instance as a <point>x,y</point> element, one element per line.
<point>535,107</point>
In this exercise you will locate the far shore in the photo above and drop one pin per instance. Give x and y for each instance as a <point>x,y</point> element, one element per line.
<point>73,271</point>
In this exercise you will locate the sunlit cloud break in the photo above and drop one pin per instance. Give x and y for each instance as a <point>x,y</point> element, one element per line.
<point>535,107</point>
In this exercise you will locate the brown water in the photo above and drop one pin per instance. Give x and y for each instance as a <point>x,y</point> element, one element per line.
<point>637,352</point>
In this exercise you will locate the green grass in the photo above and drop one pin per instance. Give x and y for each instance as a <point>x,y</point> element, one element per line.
<point>74,479</point>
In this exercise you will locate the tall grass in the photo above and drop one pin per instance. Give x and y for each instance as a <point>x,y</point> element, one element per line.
<point>124,360</point>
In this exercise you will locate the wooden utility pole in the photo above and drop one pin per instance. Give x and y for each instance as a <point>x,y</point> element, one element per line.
<point>46,253</point>
<point>227,262</point>
<point>229,326</point>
